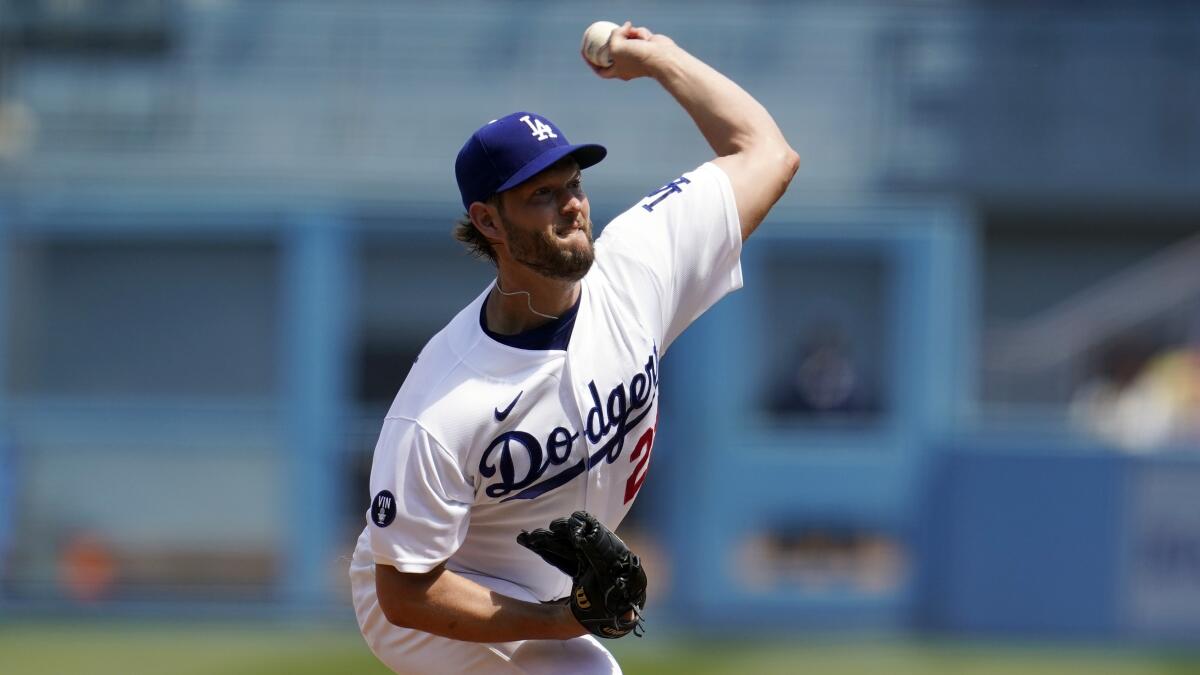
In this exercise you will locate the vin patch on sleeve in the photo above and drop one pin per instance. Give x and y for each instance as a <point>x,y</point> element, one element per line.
<point>383,509</point>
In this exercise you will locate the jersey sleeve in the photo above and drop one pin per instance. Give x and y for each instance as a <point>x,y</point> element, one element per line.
<point>421,499</point>
<point>688,237</point>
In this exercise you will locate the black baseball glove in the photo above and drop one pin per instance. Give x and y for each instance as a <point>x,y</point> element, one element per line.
<point>608,585</point>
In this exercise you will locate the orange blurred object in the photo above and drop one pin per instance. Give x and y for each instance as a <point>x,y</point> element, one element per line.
<point>86,569</point>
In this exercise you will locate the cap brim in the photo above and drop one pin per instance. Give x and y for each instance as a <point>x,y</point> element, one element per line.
<point>586,154</point>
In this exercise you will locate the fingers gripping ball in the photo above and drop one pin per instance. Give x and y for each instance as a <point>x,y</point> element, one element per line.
<point>608,586</point>
<point>595,43</point>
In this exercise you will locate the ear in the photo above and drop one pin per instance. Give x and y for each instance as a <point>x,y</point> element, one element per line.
<point>486,219</point>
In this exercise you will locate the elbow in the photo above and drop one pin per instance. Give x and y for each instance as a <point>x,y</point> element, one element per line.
<point>774,164</point>
<point>777,156</point>
<point>394,612</point>
<point>791,163</point>
<point>784,162</point>
<point>778,162</point>
<point>400,595</point>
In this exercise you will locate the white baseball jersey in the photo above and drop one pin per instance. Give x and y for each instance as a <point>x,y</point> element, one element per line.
<point>484,440</point>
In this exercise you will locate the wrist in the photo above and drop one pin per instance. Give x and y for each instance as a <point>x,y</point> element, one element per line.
<point>565,622</point>
<point>663,63</point>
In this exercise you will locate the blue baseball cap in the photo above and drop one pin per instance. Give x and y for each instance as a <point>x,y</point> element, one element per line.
<point>506,152</point>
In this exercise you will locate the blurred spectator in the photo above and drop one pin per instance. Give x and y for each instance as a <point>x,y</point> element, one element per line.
<point>86,567</point>
<point>1142,403</point>
<point>823,378</point>
<point>18,129</point>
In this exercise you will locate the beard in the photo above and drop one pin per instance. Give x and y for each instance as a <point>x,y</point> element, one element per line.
<point>549,256</point>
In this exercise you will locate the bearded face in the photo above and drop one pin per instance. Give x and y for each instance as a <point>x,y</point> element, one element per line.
<point>546,223</point>
<point>565,254</point>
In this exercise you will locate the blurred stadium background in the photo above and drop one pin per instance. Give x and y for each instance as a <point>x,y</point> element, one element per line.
<point>951,425</point>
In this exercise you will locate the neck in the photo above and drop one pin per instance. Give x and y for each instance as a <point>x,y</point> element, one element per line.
<point>528,301</point>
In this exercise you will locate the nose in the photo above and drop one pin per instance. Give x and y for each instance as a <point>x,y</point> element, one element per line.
<point>572,205</point>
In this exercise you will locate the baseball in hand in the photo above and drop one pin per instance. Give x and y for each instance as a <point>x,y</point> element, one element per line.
<point>595,43</point>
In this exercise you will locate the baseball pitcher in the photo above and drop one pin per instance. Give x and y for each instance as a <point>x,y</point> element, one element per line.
<point>525,429</point>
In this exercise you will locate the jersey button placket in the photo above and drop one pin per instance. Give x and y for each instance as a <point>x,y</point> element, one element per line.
<point>571,405</point>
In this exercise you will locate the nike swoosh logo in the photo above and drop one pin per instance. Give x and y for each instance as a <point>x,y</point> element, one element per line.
<point>501,415</point>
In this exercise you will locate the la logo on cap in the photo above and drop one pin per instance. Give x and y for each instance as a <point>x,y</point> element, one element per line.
<point>541,130</point>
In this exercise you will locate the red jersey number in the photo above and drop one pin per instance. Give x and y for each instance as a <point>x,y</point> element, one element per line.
<point>640,455</point>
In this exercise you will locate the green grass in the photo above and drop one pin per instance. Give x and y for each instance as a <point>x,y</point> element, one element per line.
<point>214,649</point>
<point>175,649</point>
<point>841,656</point>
